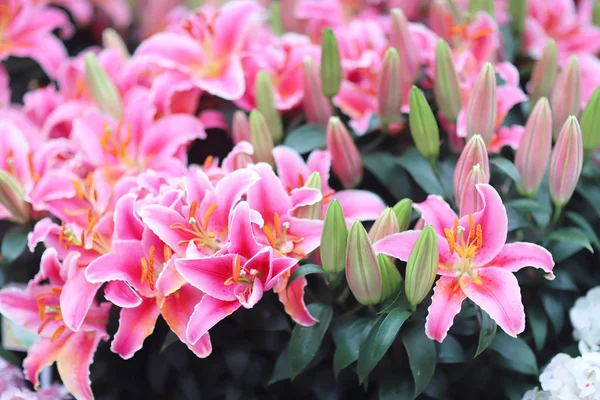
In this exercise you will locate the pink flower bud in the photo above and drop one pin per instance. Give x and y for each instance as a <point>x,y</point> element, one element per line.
<point>362,270</point>
<point>481,111</point>
<point>544,73</point>
<point>402,41</point>
<point>389,93</point>
<point>441,19</point>
<point>531,158</point>
<point>566,162</point>
<point>470,200</point>
<point>566,95</point>
<point>474,153</point>
<point>240,127</point>
<point>316,105</point>
<point>345,158</point>
<point>385,225</point>
<point>261,138</point>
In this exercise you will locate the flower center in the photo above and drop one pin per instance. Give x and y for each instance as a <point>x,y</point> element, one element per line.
<point>200,235</point>
<point>49,313</point>
<point>466,249</point>
<point>113,144</point>
<point>280,239</point>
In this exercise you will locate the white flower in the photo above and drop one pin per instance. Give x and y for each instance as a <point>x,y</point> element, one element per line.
<point>567,378</point>
<point>586,324</point>
<point>536,394</point>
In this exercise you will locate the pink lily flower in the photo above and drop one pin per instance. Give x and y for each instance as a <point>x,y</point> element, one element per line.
<point>26,31</point>
<point>67,318</point>
<point>205,51</point>
<point>474,262</point>
<point>118,11</point>
<point>293,172</point>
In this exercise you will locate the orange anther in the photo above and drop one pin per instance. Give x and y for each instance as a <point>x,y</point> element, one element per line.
<point>193,208</point>
<point>450,239</point>
<point>471,228</point>
<point>208,214</point>
<point>277,224</point>
<point>57,333</point>
<point>78,189</point>
<point>269,234</point>
<point>41,309</point>
<point>208,162</point>
<point>236,268</point>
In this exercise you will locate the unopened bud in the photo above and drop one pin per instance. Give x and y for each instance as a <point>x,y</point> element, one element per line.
<point>423,125</point>
<point>334,238</point>
<point>362,270</point>
<point>446,86</point>
<point>265,103</point>
<point>470,201</point>
<point>391,280</point>
<point>345,158</point>
<point>103,89</point>
<point>566,162</point>
<point>240,127</point>
<point>316,105</point>
<point>474,153</point>
<point>276,18</point>
<point>487,6</point>
<point>13,198</point>
<point>261,138</point>
<point>421,267</point>
<point>385,225</point>
<point>441,19</point>
<point>403,211</point>
<point>390,90</point>
<point>112,40</point>
<point>313,211</point>
<point>402,41</point>
<point>590,123</point>
<point>481,110</point>
<point>331,66</point>
<point>596,13</point>
<point>533,153</point>
<point>566,95</point>
<point>518,14</point>
<point>544,73</point>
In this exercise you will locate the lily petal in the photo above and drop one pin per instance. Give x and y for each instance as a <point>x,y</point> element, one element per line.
<point>42,354</point>
<point>135,325</point>
<point>445,304</point>
<point>515,256</point>
<point>207,313</point>
<point>360,205</point>
<point>292,298</point>
<point>398,245</point>
<point>74,362</point>
<point>209,275</point>
<point>437,213</point>
<point>76,298</point>
<point>122,295</point>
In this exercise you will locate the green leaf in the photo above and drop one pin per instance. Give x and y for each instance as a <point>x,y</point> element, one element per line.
<point>306,340</point>
<point>390,174</point>
<point>538,323</point>
<point>395,387</point>
<point>303,270</point>
<point>420,169</point>
<point>347,343</point>
<point>306,138</point>
<point>379,340</point>
<point>487,332</point>
<point>571,235</point>
<point>515,219</point>
<point>514,354</point>
<point>510,44</point>
<point>281,370</point>
<point>555,311</point>
<point>590,191</point>
<point>585,226</point>
<point>562,281</point>
<point>507,168</point>
<point>562,251</point>
<point>450,351</point>
<point>13,244</point>
<point>421,356</point>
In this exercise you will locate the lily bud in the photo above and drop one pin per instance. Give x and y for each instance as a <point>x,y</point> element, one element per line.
<point>446,87</point>
<point>403,211</point>
<point>590,123</point>
<point>470,201</point>
<point>531,158</point>
<point>441,19</point>
<point>487,6</point>
<point>518,14</point>
<point>345,158</point>
<point>391,280</point>
<point>261,138</point>
<point>313,211</point>
<point>390,90</point>
<point>331,66</point>
<point>421,267</point>
<point>103,89</point>
<point>566,162</point>
<point>385,225</point>
<point>402,41</point>
<point>316,106</point>
<point>596,13</point>
<point>276,18</point>
<point>13,198</point>
<point>265,103</point>
<point>566,95</point>
<point>334,238</point>
<point>544,73</point>
<point>475,152</point>
<point>240,127</point>
<point>481,110</point>
<point>112,40</point>
<point>362,270</point>
<point>423,125</point>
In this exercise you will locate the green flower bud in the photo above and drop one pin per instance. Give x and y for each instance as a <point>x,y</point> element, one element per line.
<point>596,13</point>
<point>103,89</point>
<point>421,267</point>
<point>334,238</point>
<point>385,225</point>
<point>544,73</point>
<point>423,126</point>
<point>487,6</point>
<point>313,211</point>
<point>590,123</point>
<point>403,211</point>
<point>362,270</point>
<point>265,103</point>
<point>276,20</point>
<point>13,198</point>
<point>391,280</point>
<point>446,87</point>
<point>331,66</point>
<point>261,138</point>
<point>518,12</point>
<point>112,40</point>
